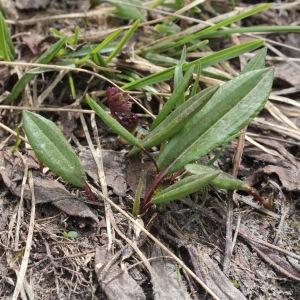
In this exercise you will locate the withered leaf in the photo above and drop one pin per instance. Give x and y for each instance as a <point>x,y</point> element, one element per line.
<point>46,190</point>
<point>114,169</point>
<point>116,284</point>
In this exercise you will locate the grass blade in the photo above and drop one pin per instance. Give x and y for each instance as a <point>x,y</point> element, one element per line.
<point>256,62</point>
<point>51,148</point>
<point>6,45</point>
<point>123,41</point>
<point>205,61</point>
<point>112,123</point>
<point>45,58</point>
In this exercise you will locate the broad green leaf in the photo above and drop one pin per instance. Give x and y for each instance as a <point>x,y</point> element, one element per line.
<point>176,120</point>
<point>184,188</point>
<point>112,123</point>
<point>205,61</point>
<point>175,97</point>
<point>51,148</point>
<point>223,181</point>
<point>123,41</point>
<point>6,45</point>
<point>230,109</point>
<point>45,58</point>
<point>256,62</point>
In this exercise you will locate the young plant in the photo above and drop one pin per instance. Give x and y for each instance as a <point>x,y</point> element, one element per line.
<point>52,149</point>
<point>207,120</point>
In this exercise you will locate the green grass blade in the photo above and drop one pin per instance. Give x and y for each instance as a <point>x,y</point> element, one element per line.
<point>168,43</point>
<point>230,109</point>
<point>6,45</point>
<point>223,181</point>
<point>253,29</point>
<point>205,61</point>
<point>184,188</point>
<point>123,41</point>
<point>173,100</point>
<point>112,123</point>
<point>51,148</point>
<point>101,46</point>
<point>45,58</point>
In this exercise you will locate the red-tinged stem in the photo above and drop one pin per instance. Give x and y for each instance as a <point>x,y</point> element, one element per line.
<point>89,193</point>
<point>259,198</point>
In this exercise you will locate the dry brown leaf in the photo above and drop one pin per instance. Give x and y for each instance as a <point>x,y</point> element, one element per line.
<point>46,190</point>
<point>169,284</point>
<point>116,284</point>
<point>287,72</point>
<point>208,271</point>
<point>114,169</point>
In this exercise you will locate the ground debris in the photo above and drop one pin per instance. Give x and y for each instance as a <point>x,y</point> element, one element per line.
<point>212,275</point>
<point>115,282</point>
<point>114,169</point>
<point>46,190</point>
<point>166,281</point>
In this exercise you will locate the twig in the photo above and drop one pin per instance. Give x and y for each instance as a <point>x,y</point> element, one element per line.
<point>25,259</point>
<point>155,240</point>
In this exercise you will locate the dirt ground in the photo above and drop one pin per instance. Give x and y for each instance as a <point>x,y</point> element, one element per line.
<point>68,257</point>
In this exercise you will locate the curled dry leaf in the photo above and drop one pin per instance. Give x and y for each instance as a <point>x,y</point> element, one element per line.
<point>115,282</point>
<point>46,190</point>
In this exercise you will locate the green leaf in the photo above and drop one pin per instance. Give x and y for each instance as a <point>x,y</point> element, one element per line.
<point>223,181</point>
<point>205,61</point>
<point>45,58</point>
<point>230,109</point>
<point>257,62</point>
<point>175,97</point>
<point>184,187</point>
<point>176,120</point>
<point>123,41</point>
<point>51,148</point>
<point>71,234</point>
<point>101,46</point>
<point>6,45</point>
<point>112,123</point>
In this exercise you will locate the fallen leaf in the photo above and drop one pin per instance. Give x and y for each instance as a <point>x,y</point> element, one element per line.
<point>289,177</point>
<point>46,190</point>
<point>208,271</point>
<point>166,281</point>
<point>286,72</point>
<point>114,169</point>
<point>115,282</point>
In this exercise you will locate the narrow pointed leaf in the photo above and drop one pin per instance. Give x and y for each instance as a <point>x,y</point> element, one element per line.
<point>176,120</point>
<point>6,45</point>
<point>257,62</point>
<point>230,109</point>
<point>51,148</point>
<point>45,58</point>
<point>205,61</point>
<point>184,187</point>
<point>112,123</point>
<point>175,97</point>
<point>223,181</point>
